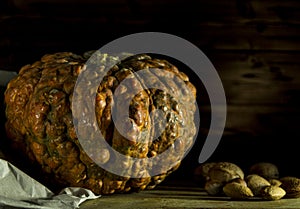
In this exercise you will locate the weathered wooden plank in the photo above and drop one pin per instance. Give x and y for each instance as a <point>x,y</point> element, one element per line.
<point>246,30</point>
<point>182,197</point>
<point>255,43</point>
<point>257,58</point>
<point>170,11</point>
<point>256,80</point>
<point>263,120</point>
<point>262,84</point>
<point>215,37</point>
<point>282,10</point>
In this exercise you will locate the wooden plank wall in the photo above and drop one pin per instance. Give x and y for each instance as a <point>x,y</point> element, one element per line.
<point>254,45</point>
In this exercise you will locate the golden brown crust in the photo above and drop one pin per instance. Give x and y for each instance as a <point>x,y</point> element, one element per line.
<point>40,123</point>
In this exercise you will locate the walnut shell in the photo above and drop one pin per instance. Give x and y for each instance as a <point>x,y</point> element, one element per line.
<point>265,169</point>
<point>213,187</point>
<point>256,183</point>
<point>225,172</point>
<point>272,192</point>
<point>237,191</point>
<point>291,185</point>
<point>275,182</point>
<point>239,181</point>
<point>201,173</point>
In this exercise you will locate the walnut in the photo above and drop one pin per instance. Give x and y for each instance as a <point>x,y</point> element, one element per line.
<point>291,185</point>
<point>265,169</point>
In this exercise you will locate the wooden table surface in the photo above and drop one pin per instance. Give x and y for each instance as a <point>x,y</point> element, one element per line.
<point>182,197</point>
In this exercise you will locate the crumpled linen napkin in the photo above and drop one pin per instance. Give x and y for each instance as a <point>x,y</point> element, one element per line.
<point>18,190</point>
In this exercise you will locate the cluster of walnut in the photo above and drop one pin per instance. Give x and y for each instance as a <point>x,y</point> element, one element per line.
<point>225,178</point>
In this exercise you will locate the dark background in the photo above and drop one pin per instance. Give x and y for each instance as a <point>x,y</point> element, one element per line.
<point>253,44</point>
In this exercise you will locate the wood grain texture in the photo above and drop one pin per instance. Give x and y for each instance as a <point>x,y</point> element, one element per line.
<point>253,44</point>
<point>183,197</point>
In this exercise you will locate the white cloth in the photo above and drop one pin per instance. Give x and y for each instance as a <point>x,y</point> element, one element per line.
<point>18,190</point>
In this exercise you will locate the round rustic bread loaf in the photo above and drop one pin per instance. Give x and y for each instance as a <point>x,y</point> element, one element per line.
<point>40,120</point>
